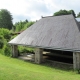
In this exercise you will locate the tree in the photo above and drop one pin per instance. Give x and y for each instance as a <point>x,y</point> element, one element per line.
<point>72,12</point>
<point>22,25</point>
<point>64,12</point>
<point>60,12</point>
<point>5,19</point>
<point>19,25</point>
<point>78,15</point>
<point>26,21</point>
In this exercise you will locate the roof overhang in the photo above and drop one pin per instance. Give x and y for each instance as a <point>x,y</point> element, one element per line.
<point>52,47</point>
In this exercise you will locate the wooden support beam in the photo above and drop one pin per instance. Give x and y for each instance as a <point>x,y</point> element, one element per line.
<point>76,61</point>
<point>38,55</point>
<point>14,51</point>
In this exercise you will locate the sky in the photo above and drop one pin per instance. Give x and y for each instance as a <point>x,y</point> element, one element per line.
<point>32,10</point>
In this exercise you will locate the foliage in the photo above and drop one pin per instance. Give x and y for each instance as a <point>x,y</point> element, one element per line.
<point>19,26</point>
<point>5,36</point>
<point>5,33</point>
<point>24,49</point>
<point>22,25</point>
<point>1,42</point>
<point>78,15</point>
<point>64,12</point>
<point>5,19</point>
<point>72,12</point>
<point>27,25</point>
<point>7,50</point>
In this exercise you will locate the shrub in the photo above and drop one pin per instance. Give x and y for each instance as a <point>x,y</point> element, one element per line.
<point>5,33</point>
<point>1,42</point>
<point>7,50</point>
<point>23,49</point>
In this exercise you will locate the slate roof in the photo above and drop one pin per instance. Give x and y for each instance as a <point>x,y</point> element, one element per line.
<point>55,32</point>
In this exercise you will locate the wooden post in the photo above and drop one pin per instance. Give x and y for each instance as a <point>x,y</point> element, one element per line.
<point>14,51</point>
<point>38,55</point>
<point>76,61</point>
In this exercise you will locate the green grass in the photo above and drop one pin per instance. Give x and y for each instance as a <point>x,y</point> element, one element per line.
<point>14,69</point>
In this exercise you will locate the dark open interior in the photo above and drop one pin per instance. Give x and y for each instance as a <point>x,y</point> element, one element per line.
<point>57,55</point>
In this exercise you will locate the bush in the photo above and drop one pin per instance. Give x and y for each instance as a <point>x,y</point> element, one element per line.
<point>7,50</point>
<point>5,33</point>
<point>23,49</point>
<point>1,42</point>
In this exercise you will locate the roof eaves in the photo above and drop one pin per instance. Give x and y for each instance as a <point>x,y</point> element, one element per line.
<point>53,48</point>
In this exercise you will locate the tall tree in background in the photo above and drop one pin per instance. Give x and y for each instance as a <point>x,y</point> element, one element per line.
<point>18,26</point>
<point>64,12</point>
<point>22,25</point>
<point>5,19</point>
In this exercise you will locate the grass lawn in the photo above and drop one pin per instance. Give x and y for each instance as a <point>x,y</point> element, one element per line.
<point>14,69</point>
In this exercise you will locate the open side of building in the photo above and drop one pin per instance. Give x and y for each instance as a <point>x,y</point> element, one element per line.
<point>54,32</point>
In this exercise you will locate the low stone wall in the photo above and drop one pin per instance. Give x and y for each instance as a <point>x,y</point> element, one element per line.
<point>60,65</point>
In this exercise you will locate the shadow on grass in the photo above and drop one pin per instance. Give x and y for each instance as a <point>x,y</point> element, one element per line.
<point>55,65</point>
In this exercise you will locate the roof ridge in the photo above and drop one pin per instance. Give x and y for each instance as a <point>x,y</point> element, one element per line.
<point>54,16</point>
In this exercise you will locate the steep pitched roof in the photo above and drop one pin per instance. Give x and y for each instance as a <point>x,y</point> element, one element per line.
<point>58,32</point>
